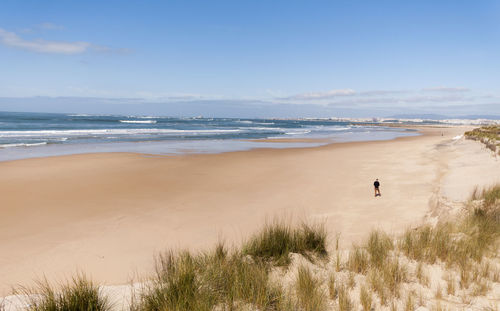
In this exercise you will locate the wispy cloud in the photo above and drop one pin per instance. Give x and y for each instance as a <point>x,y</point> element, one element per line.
<point>42,46</point>
<point>380,92</point>
<point>446,89</point>
<point>322,95</point>
<point>339,93</point>
<point>11,39</point>
<point>42,27</point>
<point>403,100</point>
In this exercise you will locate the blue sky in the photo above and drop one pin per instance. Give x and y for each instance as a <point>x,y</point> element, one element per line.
<point>312,58</point>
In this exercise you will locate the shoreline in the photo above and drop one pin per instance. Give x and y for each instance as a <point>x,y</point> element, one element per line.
<point>422,130</point>
<point>91,211</point>
<point>186,147</point>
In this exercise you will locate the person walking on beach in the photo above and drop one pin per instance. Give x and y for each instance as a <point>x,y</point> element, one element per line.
<point>376,184</point>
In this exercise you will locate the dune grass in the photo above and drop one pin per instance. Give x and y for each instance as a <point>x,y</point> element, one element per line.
<point>228,279</point>
<point>332,290</point>
<point>80,294</point>
<point>374,253</point>
<point>410,302</point>
<point>378,246</point>
<point>365,297</point>
<point>200,282</point>
<point>345,303</point>
<point>310,296</point>
<point>277,240</point>
<point>488,135</point>
<point>358,260</point>
<point>456,243</point>
<point>385,273</point>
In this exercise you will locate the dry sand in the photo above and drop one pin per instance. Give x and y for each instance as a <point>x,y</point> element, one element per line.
<point>108,214</point>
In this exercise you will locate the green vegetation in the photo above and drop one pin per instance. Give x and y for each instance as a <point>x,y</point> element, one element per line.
<point>358,261</point>
<point>345,303</point>
<point>79,295</point>
<point>200,282</point>
<point>230,279</point>
<point>276,241</point>
<point>459,242</point>
<point>488,135</point>
<point>378,247</point>
<point>332,290</point>
<point>310,297</point>
<point>366,299</point>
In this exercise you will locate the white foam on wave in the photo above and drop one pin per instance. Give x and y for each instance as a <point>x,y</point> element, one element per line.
<point>89,115</point>
<point>299,132</point>
<point>325,128</point>
<point>56,133</point>
<point>458,137</point>
<point>279,129</point>
<point>139,121</point>
<point>22,145</point>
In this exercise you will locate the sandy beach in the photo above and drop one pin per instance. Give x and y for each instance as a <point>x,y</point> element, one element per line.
<point>108,214</point>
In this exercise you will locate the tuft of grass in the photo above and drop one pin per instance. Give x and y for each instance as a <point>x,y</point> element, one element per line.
<point>378,246</point>
<point>200,282</point>
<point>450,284</point>
<point>332,290</point>
<point>394,273</point>
<point>309,294</point>
<point>490,196</point>
<point>351,281</point>
<point>358,260</point>
<point>457,243</point>
<point>345,303</point>
<point>338,262</point>
<point>421,275</point>
<point>365,297</point>
<point>410,302</point>
<point>480,287</point>
<point>276,241</point>
<point>176,286</point>
<point>428,243</point>
<point>377,284</point>
<point>80,295</point>
<point>465,277</point>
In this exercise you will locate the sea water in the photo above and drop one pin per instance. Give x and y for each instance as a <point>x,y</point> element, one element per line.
<point>25,135</point>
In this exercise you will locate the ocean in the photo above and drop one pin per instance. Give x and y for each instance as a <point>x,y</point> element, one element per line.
<point>26,135</point>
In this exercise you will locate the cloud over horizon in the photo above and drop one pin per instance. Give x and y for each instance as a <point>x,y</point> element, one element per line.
<point>321,95</point>
<point>238,108</point>
<point>446,89</point>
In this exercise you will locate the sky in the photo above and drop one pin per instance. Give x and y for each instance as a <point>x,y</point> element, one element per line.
<point>251,58</point>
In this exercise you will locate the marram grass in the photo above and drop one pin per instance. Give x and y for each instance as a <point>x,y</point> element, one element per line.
<point>80,294</point>
<point>276,241</point>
